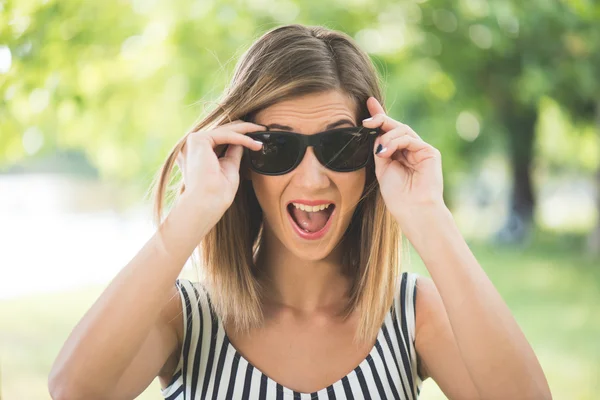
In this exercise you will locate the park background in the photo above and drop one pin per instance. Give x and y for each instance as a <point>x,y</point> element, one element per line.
<point>94,94</point>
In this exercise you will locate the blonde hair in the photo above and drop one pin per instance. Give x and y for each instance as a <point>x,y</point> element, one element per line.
<point>286,62</point>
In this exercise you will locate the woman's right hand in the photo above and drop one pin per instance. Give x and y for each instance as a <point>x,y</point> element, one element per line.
<point>150,342</point>
<point>210,178</point>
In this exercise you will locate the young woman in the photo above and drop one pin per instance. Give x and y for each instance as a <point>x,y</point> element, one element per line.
<point>298,189</point>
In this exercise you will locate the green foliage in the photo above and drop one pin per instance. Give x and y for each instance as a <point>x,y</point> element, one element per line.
<point>123,80</point>
<point>119,80</point>
<point>556,149</point>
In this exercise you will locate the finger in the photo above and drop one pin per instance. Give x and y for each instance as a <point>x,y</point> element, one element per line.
<point>222,137</point>
<point>411,132</point>
<point>390,135</point>
<point>230,164</point>
<point>241,128</point>
<point>380,119</point>
<point>378,116</point>
<point>387,124</point>
<point>405,142</point>
<point>234,154</point>
<point>374,106</point>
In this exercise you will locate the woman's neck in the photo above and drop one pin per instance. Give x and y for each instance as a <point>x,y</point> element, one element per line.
<point>305,286</point>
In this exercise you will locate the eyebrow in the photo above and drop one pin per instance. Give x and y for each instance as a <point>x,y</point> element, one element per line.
<point>330,126</point>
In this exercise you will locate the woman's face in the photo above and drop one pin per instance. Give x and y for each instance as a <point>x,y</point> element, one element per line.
<point>309,234</point>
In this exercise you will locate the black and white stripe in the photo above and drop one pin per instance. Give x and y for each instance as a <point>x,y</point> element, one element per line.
<point>211,368</point>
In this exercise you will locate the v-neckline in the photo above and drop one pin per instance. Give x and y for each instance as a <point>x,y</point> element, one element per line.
<point>349,376</point>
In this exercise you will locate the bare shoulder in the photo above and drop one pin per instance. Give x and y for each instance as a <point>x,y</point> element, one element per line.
<point>427,306</point>
<point>171,319</point>
<point>172,311</point>
<point>438,354</point>
<point>427,301</point>
<point>159,353</point>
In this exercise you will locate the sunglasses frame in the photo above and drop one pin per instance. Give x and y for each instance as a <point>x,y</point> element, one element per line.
<point>313,141</point>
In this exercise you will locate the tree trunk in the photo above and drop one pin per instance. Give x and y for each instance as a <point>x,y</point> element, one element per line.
<point>593,242</point>
<point>520,123</point>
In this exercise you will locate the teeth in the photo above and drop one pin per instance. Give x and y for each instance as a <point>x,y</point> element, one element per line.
<point>304,207</point>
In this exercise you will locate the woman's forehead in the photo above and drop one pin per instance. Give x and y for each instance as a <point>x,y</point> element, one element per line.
<point>309,112</point>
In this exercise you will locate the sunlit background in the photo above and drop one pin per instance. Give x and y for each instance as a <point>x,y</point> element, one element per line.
<point>94,94</point>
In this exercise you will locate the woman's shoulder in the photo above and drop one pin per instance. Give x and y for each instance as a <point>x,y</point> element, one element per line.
<point>406,288</point>
<point>194,296</point>
<point>427,300</point>
<point>194,289</point>
<point>194,308</point>
<point>410,278</point>
<point>405,299</point>
<point>424,295</point>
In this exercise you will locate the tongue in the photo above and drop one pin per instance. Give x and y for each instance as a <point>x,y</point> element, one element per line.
<point>310,221</point>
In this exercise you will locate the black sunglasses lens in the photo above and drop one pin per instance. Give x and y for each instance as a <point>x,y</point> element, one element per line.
<point>345,150</point>
<point>278,154</point>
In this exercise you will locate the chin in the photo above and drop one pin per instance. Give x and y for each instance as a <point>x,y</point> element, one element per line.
<point>313,252</point>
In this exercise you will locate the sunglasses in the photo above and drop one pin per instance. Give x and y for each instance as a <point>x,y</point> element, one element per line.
<point>341,150</point>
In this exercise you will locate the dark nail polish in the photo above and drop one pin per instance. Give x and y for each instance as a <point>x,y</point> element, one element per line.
<point>379,148</point>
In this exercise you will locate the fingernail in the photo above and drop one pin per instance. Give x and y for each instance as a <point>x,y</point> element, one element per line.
<point>256,141</point>
<point>368,119</point>
<point>380,149</point>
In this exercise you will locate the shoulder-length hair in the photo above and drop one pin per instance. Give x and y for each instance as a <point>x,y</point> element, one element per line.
<point>286,62</point>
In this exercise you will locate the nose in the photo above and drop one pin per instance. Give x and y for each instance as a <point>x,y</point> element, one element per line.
<point>310,174</point>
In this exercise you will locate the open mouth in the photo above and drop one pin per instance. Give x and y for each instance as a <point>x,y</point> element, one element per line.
<point>310,219</point>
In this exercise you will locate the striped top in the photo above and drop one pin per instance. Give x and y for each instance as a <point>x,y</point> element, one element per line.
<point>211,368</point>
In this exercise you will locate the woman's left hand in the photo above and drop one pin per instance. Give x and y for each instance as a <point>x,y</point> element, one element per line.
<point>409,170</point>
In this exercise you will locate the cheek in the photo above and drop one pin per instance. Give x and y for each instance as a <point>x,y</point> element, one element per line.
<point>268,192</point>
<point>352,186</point>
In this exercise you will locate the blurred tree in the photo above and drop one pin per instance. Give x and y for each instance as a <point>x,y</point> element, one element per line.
<point>121,81</point>
<point>575,80</point>
<point>502,57</point>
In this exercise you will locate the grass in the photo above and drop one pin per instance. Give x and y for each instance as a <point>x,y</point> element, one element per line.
<point>552,289</point>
